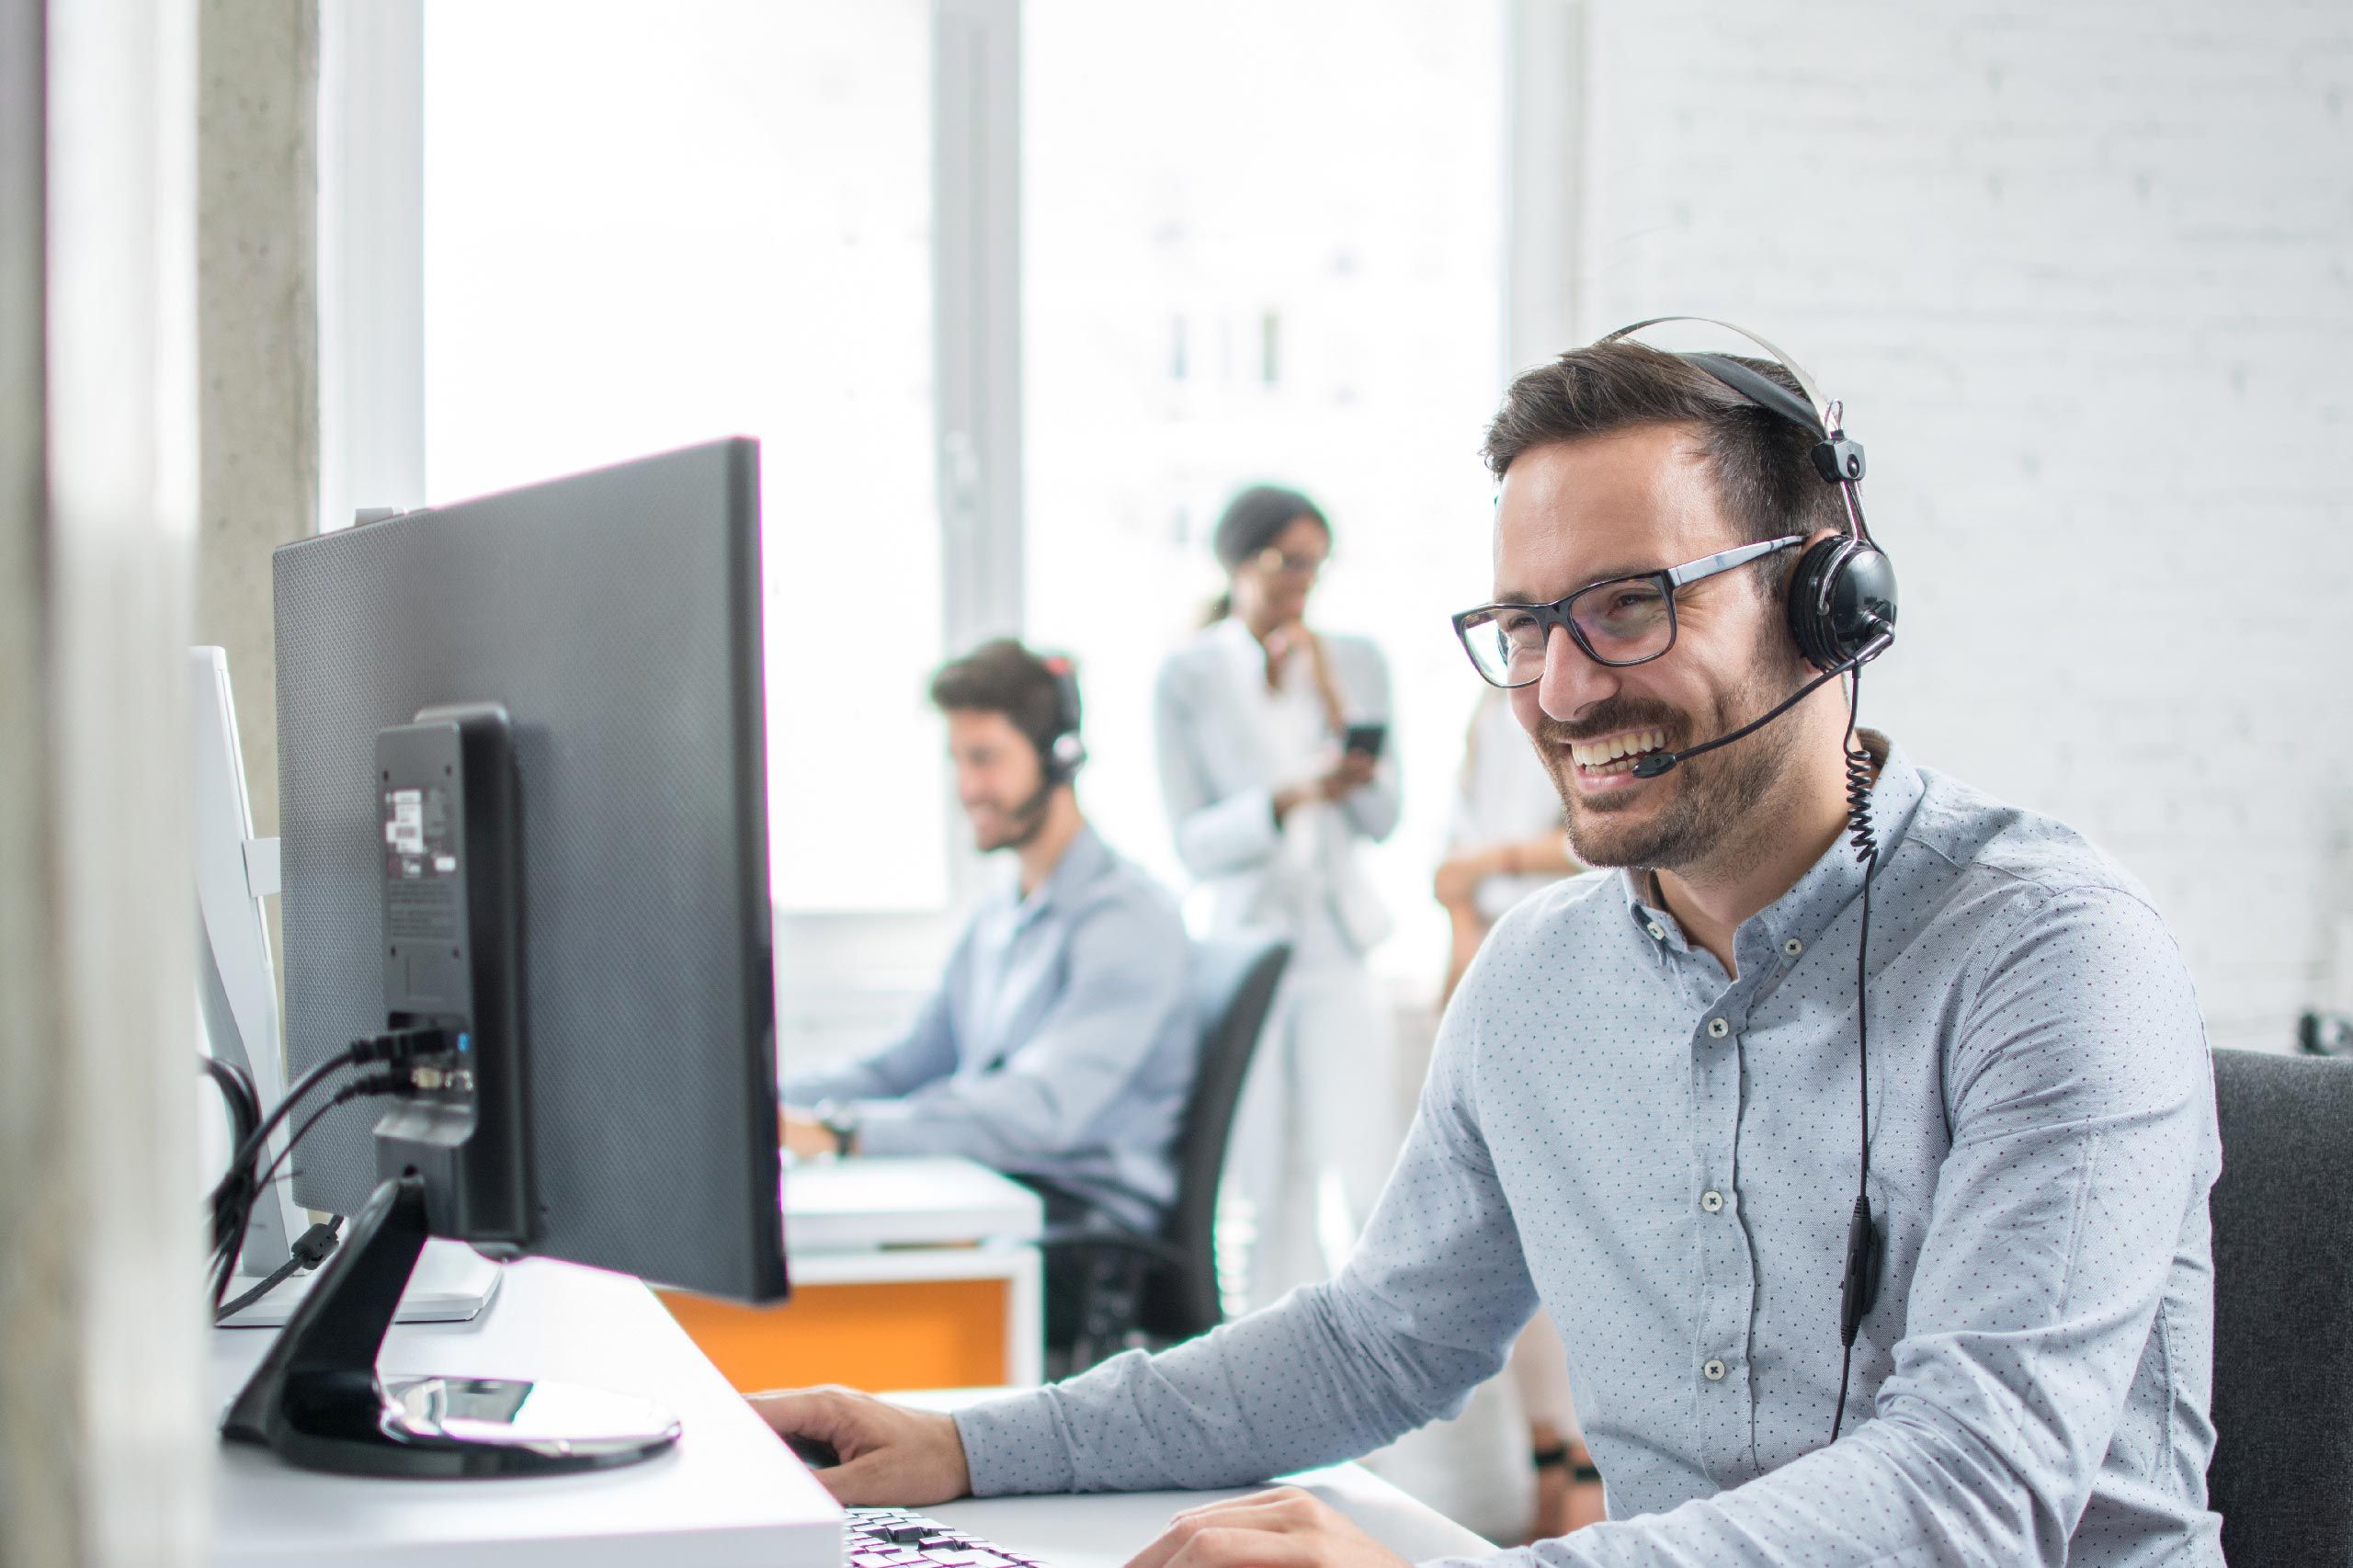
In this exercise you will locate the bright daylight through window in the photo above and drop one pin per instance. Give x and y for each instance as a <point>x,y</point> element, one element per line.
<point>651,226</point>
<point>1274,254</point>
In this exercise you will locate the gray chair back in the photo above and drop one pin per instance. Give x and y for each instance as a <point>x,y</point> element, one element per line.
<point>1233,981</point>
<point>2282,1476</point>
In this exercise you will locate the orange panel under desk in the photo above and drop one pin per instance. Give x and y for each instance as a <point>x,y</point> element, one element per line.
<point>931,1333</point>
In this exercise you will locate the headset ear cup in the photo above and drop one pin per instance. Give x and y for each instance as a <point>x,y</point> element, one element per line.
<point>1841,597</point>
<point>1810,600</point>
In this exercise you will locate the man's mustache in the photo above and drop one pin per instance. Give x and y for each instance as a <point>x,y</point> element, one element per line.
<point>1611,719</point>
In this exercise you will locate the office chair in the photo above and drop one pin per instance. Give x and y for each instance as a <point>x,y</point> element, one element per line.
<point>1162,1289</point>
<point>2282,1474</point>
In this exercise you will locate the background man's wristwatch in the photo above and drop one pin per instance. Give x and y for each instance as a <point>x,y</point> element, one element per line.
<point>841,1121</point>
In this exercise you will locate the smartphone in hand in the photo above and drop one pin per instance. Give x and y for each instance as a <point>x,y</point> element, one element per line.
<point>1367,738</point>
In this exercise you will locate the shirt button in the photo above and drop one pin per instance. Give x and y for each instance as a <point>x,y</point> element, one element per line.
<point>1713,1202</point>
<point>1793,947</point>
<point>1714,1371</point>
<point>1657,931</point>
<point>1718,1029</point>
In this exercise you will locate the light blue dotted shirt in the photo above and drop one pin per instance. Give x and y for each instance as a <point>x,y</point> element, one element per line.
<point>1666,1159</point>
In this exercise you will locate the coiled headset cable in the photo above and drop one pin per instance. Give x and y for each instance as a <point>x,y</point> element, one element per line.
<point>1859,1286</point>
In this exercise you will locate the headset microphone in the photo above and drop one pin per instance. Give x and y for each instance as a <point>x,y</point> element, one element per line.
<point>1659,762</point>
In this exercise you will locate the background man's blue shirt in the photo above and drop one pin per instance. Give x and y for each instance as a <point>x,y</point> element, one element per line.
<point>2032,1384</point>
<point>1060,1044</point>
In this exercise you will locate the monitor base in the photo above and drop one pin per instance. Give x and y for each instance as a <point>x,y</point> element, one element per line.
<point>316,1398</point>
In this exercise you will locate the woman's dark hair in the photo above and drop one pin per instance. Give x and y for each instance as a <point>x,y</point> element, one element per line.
<point>1763,469</point>
<point>1001,677</point>
<point>1252,521</point>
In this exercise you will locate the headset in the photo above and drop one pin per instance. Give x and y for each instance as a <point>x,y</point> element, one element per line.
<point>1063,750</point>
<point>1841,610</point>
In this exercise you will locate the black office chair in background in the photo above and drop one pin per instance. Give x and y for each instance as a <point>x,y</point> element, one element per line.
<point>2282,1476</point>
<point>1160,1288</point>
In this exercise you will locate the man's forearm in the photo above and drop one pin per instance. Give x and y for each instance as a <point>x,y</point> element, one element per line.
<point>1282,1390</point>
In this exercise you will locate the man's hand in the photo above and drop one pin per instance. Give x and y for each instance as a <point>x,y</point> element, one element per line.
<point>803,1135</point>
<point>891,1456</point>
<point>1283,1529</point>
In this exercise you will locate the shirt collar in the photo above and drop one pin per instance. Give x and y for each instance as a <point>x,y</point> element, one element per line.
<point>1083,859</point>
<point>1815,899</point>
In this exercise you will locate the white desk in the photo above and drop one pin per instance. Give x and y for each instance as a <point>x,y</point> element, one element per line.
<point>904,1271</point>
<point>834,1206</point>
<point>1104,1529</point>
<point>728,1495</point>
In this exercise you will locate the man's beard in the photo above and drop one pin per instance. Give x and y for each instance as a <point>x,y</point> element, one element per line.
<point>1713,804</point>
<point>1023,824</point>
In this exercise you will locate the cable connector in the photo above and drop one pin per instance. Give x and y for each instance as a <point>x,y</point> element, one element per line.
<point>402,1045</point>
<point>316,1245</point>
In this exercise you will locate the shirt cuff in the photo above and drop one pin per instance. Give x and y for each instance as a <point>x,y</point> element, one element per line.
<point>1015,1445</point>
<point>891,1127</point>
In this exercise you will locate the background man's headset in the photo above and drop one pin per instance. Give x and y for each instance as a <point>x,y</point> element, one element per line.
<point>1061,749</point>
<point>1842,612</point>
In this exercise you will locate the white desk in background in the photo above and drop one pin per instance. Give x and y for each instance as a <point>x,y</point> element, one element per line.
<point>906,1273</point>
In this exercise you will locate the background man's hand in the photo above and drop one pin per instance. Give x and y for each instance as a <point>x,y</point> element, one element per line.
<point>803,1134</point>
<point>1283,1529</point>
<point>891,1456</point>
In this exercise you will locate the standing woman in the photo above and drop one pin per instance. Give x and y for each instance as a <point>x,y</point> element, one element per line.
<point>1268,800</point>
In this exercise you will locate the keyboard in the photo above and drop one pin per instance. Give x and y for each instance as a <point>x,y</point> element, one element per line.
<point>898,1537</point>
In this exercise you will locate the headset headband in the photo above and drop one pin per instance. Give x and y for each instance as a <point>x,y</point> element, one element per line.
<point>1835,457</point>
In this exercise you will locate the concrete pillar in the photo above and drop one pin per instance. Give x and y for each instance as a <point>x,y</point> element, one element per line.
<point>258,340</point>
<point>105,1448</point>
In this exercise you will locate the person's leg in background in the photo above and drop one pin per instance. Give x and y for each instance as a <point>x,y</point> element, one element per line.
<point>1266,1229</point>
<point>1348,1129</point>
<point>1568,1489</point>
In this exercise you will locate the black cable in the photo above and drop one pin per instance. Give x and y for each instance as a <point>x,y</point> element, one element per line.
<point>243,1103</point>
<point>234,1198</point>
<point>380,1083</point>
<point>1854,1287</point>
<point>316,1245</point>
<point>237,1088</point>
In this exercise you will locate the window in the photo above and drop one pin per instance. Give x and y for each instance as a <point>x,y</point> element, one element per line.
<point>1277,254</point>
<point>647,227</point>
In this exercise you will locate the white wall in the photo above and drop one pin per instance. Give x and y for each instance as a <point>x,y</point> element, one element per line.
<point>2081,274</point>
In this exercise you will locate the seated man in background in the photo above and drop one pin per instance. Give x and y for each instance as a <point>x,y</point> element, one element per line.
<point>1060,1045</point>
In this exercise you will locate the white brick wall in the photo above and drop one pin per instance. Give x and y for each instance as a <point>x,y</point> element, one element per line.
<point>2084,275</point>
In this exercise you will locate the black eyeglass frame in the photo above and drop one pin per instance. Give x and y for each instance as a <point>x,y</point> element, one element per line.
<point>1670,579</point>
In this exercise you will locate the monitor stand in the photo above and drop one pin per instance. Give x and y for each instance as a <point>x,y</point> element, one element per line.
<point>317,1399</point>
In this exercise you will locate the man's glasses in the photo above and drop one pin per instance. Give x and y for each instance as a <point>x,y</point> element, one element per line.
<point>1625,620</point>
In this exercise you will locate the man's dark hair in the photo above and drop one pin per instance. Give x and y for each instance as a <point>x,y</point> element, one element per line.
<point>1764,472</point>
<point>1001,677</point>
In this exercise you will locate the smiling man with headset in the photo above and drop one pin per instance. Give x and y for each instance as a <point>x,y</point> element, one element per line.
<point>1857,1131</point>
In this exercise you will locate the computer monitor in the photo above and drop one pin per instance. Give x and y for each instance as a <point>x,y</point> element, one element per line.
<point>523,818</point>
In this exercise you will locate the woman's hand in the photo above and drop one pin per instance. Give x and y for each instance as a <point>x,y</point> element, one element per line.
<point>1458,879</point>
<point>1352,772</point>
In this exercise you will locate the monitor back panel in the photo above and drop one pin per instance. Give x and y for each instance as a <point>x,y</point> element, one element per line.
<point>615,615</point>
